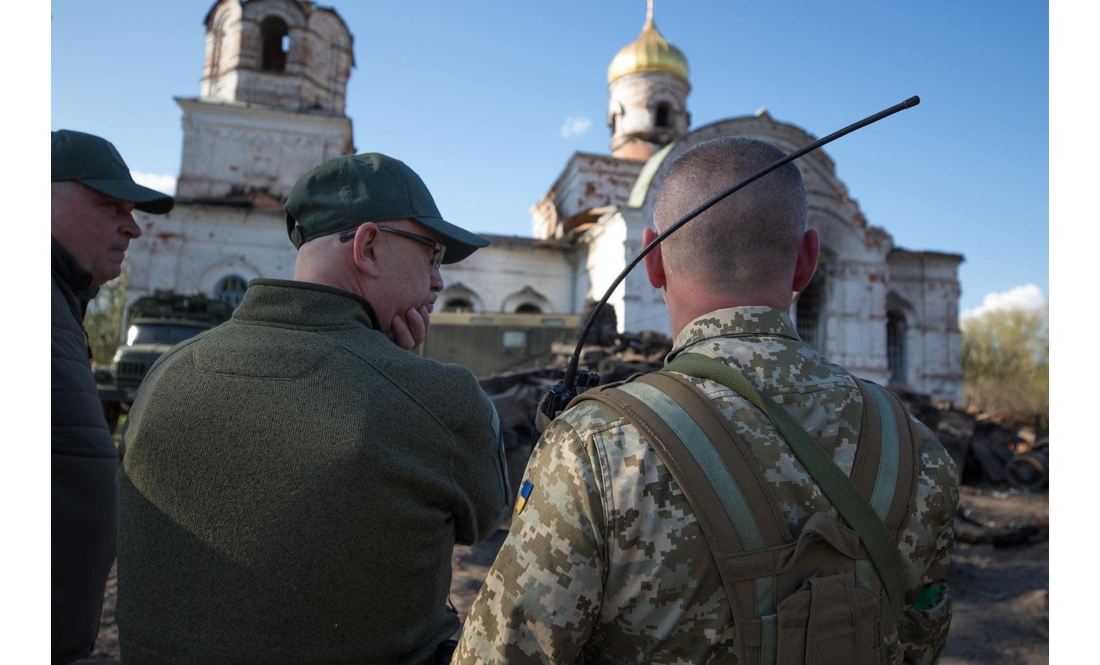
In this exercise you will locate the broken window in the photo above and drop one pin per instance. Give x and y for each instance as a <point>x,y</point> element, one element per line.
<point>662,114</point>
<point>458,305</point>
<point>808,313</point>
<point>276,41</point>
<point>896,352</point>
<point>231,289</point>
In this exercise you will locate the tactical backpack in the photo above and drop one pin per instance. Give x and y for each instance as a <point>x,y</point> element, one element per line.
<point>834,593</point>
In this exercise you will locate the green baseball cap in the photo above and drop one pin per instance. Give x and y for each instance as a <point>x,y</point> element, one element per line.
<point>372,187</point>
<point>94,162</point>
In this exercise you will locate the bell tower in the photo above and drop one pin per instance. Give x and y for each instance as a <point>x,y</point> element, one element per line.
<point>648,85</point>
<point>272,97</point>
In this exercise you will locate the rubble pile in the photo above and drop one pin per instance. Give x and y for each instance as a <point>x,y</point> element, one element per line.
<point>516,394</point>
<point>988,452</point>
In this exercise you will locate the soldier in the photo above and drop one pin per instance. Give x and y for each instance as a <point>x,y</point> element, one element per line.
<point>294,480</point>
<point>92,198</point>
<point>607,559</point>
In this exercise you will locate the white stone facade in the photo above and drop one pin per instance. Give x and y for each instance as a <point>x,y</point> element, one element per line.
<point>588,186</point>
<point>647,111</point>
<point>885,313</point>
<point>282,53</point>
<point>195,246</point>
<point>271,108</point>
<point>509,274</point>
<point>272,102</point>
<point>923,289</point>
<point>235,151</point>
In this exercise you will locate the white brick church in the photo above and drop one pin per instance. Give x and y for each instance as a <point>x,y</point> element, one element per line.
<point>272,107</point>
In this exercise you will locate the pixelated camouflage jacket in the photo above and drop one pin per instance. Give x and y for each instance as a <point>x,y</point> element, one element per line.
<point>606,561</point>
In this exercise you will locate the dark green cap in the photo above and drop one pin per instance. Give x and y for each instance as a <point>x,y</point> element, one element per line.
<point>94,162</point>
<point>354,189</point>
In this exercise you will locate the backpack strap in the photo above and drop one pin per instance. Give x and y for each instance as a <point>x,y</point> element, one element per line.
<point>904,494</point>
<point>884,465</point>
<point>724,485</point>
<point>837,487</point>
<point>885,461</point>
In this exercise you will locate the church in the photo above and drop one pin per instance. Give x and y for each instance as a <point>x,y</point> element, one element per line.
<point>271,107</point>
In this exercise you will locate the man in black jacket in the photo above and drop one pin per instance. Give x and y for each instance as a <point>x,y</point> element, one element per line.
<point>92,198</point>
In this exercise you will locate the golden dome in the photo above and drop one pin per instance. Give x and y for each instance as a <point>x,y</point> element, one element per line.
<point>650,52</point>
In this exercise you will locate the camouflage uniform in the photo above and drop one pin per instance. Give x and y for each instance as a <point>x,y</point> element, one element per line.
<point>606,561</point>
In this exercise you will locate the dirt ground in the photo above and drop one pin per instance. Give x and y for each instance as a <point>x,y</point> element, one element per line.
<point>1000,591</point>
<point>1000,587</point>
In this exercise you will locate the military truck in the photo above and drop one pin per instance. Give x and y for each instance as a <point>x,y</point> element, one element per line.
<point>493,343</point>
<point>152,325</point>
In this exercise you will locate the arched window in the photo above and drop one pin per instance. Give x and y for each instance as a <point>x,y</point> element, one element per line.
<point>808,313</point>
<point>458,305</point>
<point>231,289</point>
<point>662,114</point>
<point>276,43</point>
<point>896,351</point>
<point>459,298</point>
<point>526,301</point>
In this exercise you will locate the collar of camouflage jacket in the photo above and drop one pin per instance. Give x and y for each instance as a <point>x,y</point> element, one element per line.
<point>752,321</point>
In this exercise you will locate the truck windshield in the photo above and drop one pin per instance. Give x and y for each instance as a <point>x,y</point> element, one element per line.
<point>160,333</point>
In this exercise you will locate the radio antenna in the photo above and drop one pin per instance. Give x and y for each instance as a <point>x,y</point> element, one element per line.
<point>571,371</point>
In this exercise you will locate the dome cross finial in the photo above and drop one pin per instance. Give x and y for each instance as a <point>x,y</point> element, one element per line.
<point>649,52</point>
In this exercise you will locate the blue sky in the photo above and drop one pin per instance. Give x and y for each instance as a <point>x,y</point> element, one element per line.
<point>487,101</point>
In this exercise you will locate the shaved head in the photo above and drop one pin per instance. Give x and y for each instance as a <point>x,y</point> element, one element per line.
<point>748,242</point>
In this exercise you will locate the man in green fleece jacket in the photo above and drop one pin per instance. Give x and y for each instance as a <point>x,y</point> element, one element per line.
<point>294,480</point>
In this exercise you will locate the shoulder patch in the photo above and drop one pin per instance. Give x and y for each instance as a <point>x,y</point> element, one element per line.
<point>524,494</point>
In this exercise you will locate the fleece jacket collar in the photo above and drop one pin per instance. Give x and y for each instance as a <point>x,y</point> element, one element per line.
<point>293,303</point>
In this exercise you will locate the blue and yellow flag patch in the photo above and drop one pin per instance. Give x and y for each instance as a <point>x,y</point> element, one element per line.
<point>524,494</point>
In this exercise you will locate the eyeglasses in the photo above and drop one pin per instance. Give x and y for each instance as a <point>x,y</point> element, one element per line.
<point>438,248</point>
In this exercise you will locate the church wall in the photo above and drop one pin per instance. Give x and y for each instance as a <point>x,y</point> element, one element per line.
<point>927,282</point>
<point>604,259</point>
<point>855,317</point>
<point>646,309</point>
<point>327,60</point>
<point>587,182</point>
<point>582,283</point>
<point>269,89</point>
<point>317,63</point>
<point>221,87</point>
<point>506,273</point>
<point>193,246</point>
<point>229,150</point>
<point>545,219</point>
<point>632,110</point>
<point>223,49</point>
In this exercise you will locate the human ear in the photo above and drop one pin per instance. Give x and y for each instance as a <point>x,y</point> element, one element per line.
<point>365,246</point>
<point>654,262</point>
<point>806,263</point>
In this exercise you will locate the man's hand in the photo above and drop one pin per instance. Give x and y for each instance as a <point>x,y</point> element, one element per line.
<point>409,330</point>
